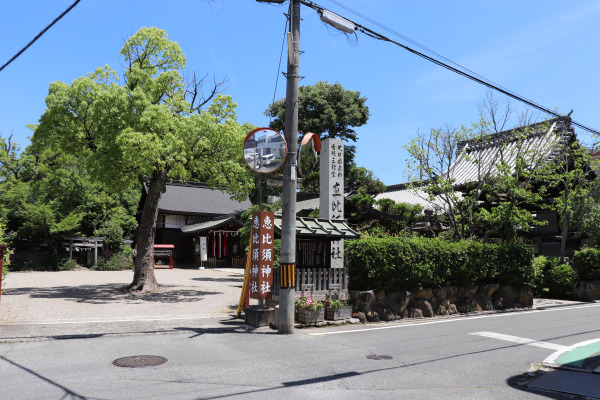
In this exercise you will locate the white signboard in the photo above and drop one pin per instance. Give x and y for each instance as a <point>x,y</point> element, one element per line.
<point>203,251</point>
<point>331,187</point>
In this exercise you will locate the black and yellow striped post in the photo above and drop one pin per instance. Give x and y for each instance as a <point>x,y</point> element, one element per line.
<point>288,275</point>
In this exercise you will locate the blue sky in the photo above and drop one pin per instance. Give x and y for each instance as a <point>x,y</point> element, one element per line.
<point>544,50</point>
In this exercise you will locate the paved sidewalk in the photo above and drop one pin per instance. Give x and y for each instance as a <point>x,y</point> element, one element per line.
<point>86,302</point>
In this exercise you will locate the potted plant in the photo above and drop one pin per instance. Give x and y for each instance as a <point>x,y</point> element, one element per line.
<point>337,309</point>
<point>309,309</point>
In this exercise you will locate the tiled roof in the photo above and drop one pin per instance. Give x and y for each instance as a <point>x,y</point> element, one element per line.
<point>309,204</point>
<point>410,196</point>
<point>320,227</point>
<point>210,224</point>
<point>198,199</point>
<point>539,143</point>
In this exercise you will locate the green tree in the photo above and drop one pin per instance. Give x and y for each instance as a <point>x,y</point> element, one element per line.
<point>573,179</point>
<point>360,177</point>
<point>53,197</point>
<point>403,215</point>
<point>153,127</point>
<point>5,259</point>
<point>10,162</point>
<point>506,179</point>
<point>328,110</point>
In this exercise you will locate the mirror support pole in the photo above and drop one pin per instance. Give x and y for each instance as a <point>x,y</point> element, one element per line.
<point>288,228</point>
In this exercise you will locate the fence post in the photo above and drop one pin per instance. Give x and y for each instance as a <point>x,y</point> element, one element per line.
<point>2,247</point>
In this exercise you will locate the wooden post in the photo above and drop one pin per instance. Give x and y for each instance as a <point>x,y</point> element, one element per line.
<point>95,251</point>
<point>2,247</point>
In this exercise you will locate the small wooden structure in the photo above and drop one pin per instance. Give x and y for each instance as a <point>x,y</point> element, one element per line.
<point>314,273</point>
<point>223,242</point>
<point>88,246</point>
<point>163,256</point>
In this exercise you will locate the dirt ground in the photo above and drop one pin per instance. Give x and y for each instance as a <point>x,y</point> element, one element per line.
<point>81,294</point>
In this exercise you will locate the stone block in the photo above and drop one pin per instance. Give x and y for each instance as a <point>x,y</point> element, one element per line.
<point>259,316</point>
<point>485,292</point>
<point>398,301</point>
<point>424,306</point>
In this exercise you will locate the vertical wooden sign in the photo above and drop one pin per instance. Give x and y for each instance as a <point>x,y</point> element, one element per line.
<point>203,249</point>
<point>261,255</point>
<point>331,186</point>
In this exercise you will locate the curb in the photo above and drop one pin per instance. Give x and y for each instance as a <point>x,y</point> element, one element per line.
<point>581,357</point>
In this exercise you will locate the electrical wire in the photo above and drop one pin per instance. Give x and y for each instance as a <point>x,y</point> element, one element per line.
<point>458,69</point>
<point>279,67</point>
<point>439,56</point>
<point>39,35</point>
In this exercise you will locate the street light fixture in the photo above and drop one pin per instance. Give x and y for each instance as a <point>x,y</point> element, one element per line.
<point>337,22</point>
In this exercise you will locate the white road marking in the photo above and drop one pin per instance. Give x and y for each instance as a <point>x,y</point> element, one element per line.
<point>521,340</point>
<point>551,359</point>
<point>448,320</point>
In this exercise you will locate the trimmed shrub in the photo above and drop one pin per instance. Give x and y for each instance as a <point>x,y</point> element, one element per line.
<point>65,264</point>
<point>392,263</point>
<point>44,262</point>
<point>4,273</point>
<point>561,281</point>
<point>117,262</point>
<point>541,268</point>
<point>587,264</point>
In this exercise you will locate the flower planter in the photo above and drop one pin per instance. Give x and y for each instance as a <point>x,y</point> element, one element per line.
<point>339,313</point>
<point>307,316</point>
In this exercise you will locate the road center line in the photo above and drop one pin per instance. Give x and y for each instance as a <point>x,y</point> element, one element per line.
<point>520,340</point>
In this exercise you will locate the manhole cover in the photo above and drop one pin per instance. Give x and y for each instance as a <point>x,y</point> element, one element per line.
<point>379,357</point>
<point>139,361</point>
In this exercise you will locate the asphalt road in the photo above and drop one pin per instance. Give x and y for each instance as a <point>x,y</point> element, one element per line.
<point>425,359</point>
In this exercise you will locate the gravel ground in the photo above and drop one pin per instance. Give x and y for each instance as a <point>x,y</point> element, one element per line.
<point>81,294</point>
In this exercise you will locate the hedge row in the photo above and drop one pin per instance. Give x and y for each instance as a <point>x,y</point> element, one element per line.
<point>587,264</point>
<point>393,263</point>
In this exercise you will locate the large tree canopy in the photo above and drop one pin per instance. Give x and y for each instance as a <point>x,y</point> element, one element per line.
<point>328,110</point>
<point>154,127</point>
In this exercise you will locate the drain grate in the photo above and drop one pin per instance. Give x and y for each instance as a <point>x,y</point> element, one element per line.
<point>139,361</point>
<point>379,357</point>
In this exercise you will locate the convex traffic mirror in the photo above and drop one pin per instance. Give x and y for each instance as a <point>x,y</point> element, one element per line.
<point>265,150</point>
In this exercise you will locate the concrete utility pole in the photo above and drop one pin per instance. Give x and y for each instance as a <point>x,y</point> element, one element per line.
<point>288,225</point>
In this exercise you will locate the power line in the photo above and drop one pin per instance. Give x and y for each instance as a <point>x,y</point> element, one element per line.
<point>39,35</point>
<point>439,56</point>
<point>458,69</point>
<point>280,58</point>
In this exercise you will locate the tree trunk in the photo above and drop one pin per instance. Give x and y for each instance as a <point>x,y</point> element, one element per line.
<point>565,228</point>
<point>143,277</point>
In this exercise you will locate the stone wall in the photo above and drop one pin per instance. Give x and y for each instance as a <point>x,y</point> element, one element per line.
<point>587,291</point>
<point>443,301</point>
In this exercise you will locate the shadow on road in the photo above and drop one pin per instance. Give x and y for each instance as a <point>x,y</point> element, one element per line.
<point>68,393</point>
<point>520,382</point>
<point>110,293</point>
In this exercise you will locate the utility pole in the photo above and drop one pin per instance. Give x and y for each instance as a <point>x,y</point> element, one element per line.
<point>288,225</point>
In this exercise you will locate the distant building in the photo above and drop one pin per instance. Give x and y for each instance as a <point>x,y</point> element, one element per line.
<point>547,141</point>
<point>187,211</point>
